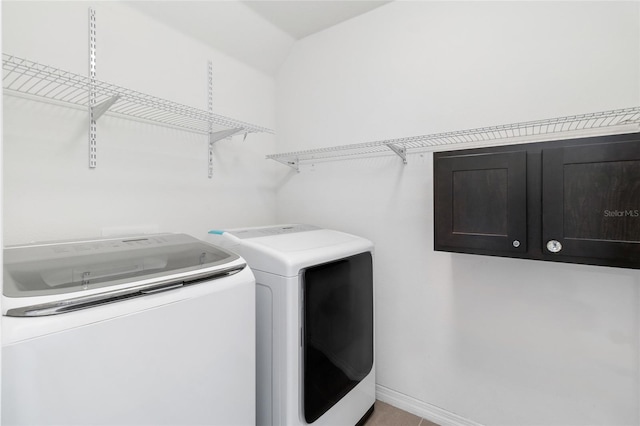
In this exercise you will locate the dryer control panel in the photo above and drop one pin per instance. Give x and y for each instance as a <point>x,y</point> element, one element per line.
<point>271,230</point>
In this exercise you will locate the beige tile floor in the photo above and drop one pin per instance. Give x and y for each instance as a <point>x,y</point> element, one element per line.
<point>388,415</point>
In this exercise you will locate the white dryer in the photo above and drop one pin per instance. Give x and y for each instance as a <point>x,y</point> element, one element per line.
<point>155,330</point>
<point>315,323</point>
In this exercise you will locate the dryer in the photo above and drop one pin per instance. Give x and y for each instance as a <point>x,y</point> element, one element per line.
<point>156,329</point>
<point>314,323</point>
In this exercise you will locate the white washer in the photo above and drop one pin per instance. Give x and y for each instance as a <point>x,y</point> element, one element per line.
<point>148,330</point>
<point>315,327</point>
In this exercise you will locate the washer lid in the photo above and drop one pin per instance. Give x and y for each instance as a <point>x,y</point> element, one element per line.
<point>58,268</point>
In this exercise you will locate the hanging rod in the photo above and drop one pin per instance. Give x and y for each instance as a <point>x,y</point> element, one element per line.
<point>621,120</point>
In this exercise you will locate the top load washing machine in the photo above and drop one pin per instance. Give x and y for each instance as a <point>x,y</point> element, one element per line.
<point>157,329</point>
<point>315,327</point>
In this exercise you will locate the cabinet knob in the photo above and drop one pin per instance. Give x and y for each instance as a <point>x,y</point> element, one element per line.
<point>554,246</point>
<point>516,243</point>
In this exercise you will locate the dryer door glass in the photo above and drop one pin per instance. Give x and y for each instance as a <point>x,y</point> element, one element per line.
<point>337,339</point>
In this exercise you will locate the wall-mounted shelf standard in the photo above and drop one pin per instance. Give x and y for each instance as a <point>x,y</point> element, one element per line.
<point>615,121</point>
<point>25,77</point>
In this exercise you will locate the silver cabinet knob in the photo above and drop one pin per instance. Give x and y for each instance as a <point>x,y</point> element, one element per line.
<point>516,243</point>
<point>554,246</point>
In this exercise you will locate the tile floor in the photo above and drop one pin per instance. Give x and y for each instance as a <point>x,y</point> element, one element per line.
<point>388,415</point>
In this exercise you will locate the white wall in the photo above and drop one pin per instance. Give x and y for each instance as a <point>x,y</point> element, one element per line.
<point>1,232</point>
<point>494,340</point>
<point>149,178</point>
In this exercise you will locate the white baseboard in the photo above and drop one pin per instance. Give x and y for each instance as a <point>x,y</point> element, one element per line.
<point>422,409</point>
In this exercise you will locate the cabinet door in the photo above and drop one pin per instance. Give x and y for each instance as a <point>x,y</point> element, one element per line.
<point>591,202</point>
<point>480,202</point>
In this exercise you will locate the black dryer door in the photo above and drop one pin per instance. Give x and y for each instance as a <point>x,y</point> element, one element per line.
<point>337,341</point>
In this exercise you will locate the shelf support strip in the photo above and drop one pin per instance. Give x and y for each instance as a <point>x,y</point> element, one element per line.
<point>210,113</point>
<point>93,154</point>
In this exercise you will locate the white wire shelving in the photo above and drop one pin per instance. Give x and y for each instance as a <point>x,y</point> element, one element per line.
<point>625,120</point>
<point>26,77</point>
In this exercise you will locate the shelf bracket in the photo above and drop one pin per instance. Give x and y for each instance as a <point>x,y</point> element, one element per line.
<point>401,151</point>
<point>218,136</point>
<point>293,163</point>
<point>223,134</point>
<point>101,108</point>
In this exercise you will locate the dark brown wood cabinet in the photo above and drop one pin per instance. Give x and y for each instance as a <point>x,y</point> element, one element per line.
<point>591,201</point>
<point>482,201</point>
<point>570,201</point>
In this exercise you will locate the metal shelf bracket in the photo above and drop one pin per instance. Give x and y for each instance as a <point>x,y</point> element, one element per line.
<point>223,134</point>
<point>218,136</point>
<point>101,108</point>
<point>291,162</point>
<point>401,151</point>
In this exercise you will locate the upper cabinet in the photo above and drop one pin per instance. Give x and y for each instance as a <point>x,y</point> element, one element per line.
<point>571,201</point>
<point>591,201</point>
<point>482,201</point>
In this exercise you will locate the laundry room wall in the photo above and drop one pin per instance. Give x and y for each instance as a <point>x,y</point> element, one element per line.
<point>1,233</point>
<point>465,339</point>
<point>149,178</point>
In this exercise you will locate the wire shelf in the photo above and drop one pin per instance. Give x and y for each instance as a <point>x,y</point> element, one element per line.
<point>620,120</point>
<point>26,77</point>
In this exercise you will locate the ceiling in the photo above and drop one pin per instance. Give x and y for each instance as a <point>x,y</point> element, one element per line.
<point>258,33</point>
<point>302,18</point>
